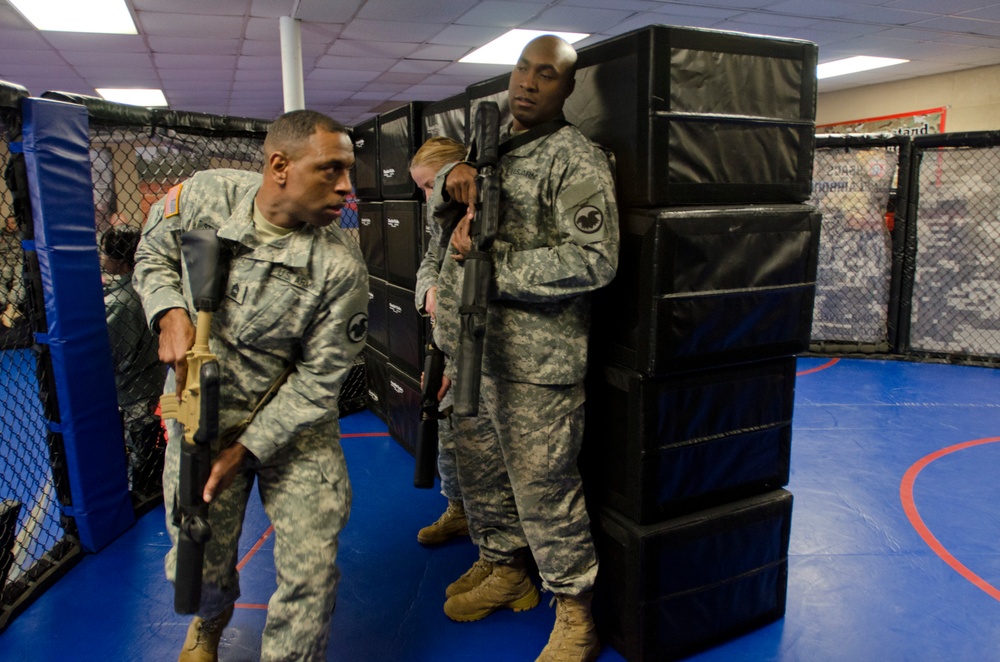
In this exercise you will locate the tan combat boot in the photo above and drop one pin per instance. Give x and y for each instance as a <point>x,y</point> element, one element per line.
<point>574,637</point>
<point>472,578</point>
<point>506,587</point>
<point>451,524</point>
<point>202,643</point>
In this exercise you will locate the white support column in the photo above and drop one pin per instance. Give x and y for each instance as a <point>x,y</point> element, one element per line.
<point>291,63</point>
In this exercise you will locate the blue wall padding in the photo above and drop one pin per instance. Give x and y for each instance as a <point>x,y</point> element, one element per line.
<point>56,146</point>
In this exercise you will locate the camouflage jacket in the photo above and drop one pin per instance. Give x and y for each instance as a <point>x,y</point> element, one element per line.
<point>557,242</point>
<point>301,299</point>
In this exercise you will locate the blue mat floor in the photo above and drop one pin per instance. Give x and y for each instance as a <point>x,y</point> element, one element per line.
<point>893,554</point>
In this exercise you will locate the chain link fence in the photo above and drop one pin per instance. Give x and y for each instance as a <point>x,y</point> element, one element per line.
<point>955,303</point>
<point>855,188</point>
<point>37,542</point>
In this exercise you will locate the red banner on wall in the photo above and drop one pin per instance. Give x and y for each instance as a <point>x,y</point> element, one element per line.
<point>916,123</point>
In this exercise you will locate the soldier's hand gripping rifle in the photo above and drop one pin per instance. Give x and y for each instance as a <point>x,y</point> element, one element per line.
<point>198,412</point>
<point>425,452</point>
<point>478,269</point>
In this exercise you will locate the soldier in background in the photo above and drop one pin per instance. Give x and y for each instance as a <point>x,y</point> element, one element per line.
<point>296,296</point>
<point>433,155</point>
<point>134,353</point>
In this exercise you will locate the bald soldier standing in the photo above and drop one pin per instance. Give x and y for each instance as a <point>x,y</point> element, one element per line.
<point>297,295</point>
<point>556,243</point>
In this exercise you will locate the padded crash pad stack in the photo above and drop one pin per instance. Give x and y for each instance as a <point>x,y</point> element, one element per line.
<point>692,364</point>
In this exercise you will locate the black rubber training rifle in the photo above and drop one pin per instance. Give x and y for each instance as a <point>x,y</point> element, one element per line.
<point>198,412</point>
<point>477,266</point>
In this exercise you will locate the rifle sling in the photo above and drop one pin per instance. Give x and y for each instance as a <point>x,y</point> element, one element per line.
<point>531,135</point>
<point>233,433</point>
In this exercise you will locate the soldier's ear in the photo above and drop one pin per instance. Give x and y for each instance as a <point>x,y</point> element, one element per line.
<point>277,163</point>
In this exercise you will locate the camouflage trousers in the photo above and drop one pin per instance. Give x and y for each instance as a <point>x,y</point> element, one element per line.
<point>517,466</point>
<point>446,462</point>
<point>306,494</point>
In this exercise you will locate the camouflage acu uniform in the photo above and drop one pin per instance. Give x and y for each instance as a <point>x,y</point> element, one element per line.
<point>557,242</point>
<point>138,372</point>
<point>427,277</point>
<point>302,300</point>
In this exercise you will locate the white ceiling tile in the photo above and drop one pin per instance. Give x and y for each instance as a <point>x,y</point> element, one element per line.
<point>272,8</point>
<point>190,45</point>
<point>178,61</point>
<point>356,48</point>
<point>416,11</point>
<point>391,30</point>
<point>494,13</point>
<point>576,19</point>
<point>193,7</point>
<point>355,63</point>
<point>328,11</point>
<point>203,27</point>
<point>105,43</point>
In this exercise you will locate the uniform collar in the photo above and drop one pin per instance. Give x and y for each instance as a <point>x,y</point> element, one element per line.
<point>292,250</point>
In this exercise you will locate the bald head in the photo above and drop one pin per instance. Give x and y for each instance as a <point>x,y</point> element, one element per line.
<point>541,81</point>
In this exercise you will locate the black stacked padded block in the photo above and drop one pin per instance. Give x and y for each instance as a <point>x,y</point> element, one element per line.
<point>447,118</point>
<point>699,287</point>
<point>367,181</point>
<point>404,230</point>
<point>658,447</point>
<point>406,331</point>
<point>667,590</point>
<point>377,382</point>
<point>399,136</point>
<point>403,397</point>
<point>378,315</point>
<point>371,235</point>
<point>698,115</point>
<point>493,89</point>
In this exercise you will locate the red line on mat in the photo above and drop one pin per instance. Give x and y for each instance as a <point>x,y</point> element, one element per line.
<point>256,546</point>
<point>826,365</point>
<point>906,497</point>
<point>365,434</point>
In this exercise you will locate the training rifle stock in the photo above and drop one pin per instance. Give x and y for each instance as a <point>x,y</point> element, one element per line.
<point>198,413</point>
<point>477,265</point>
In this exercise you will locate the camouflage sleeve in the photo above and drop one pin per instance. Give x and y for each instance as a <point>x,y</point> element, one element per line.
<point>584,257</point>
<point>157,275</point>
<point>430,265</point>
<point>332,340</point>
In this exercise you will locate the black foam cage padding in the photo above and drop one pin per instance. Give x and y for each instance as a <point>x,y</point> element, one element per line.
<point>493,89</point>
<point>403,398</point>
<point>658,447</point>
<point>371,235</point>
<point>406,331</point>
<point>11,94</point>
<point>404,242</point>
<point>378,311</point>
<point>448,118</point>
<point>377,382</point>
<point>399,133</point>
<point>700,116</point>
<point>699,287</point>
<point>367,179</point>
<point>667,590</point>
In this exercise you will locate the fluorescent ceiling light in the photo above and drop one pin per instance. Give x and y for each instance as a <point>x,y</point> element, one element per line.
<point>505,49</point>
<point>133,96</point>
<point>106,16</point>
<point>853,65</point>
